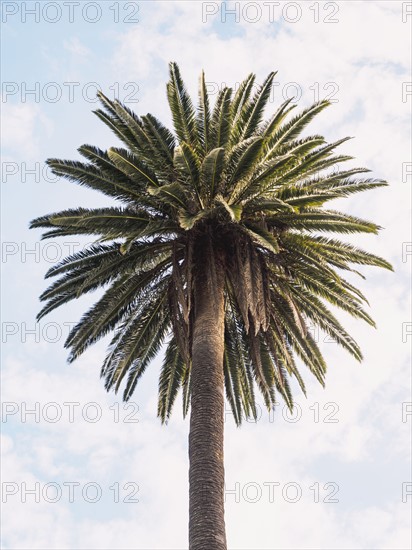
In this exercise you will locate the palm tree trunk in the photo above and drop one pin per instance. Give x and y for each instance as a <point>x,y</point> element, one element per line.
<point>206,473</point>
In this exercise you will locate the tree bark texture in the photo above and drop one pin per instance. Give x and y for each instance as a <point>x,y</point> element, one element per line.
<point>206,473</point>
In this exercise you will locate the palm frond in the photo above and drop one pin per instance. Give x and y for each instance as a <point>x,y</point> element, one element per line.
<point>183,113</point>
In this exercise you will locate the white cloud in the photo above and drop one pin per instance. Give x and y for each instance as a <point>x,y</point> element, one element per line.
<point>75,47</point>
<point>22,125</point>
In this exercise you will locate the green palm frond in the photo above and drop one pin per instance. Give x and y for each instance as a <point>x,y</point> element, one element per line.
<point>139,343</point>
<point>211,172</point>
<point>221,119</point>
<point>183,112</point>
<point>204,116</point>
<point>249,115</point>
<point>241,99</point>
<point>170,380</point>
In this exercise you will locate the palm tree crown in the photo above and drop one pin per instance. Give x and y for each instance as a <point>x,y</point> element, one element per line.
<point>226,189</point>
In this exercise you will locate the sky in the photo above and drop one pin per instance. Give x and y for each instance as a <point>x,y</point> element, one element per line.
<point>81,470</point>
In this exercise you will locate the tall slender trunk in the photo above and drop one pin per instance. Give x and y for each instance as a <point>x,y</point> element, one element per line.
<point>206,473</point>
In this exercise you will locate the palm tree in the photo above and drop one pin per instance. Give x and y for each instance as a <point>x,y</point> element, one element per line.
<point>218,251</point>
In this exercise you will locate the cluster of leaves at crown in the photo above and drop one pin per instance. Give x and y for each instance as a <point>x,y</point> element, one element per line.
<point>254,190</point>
